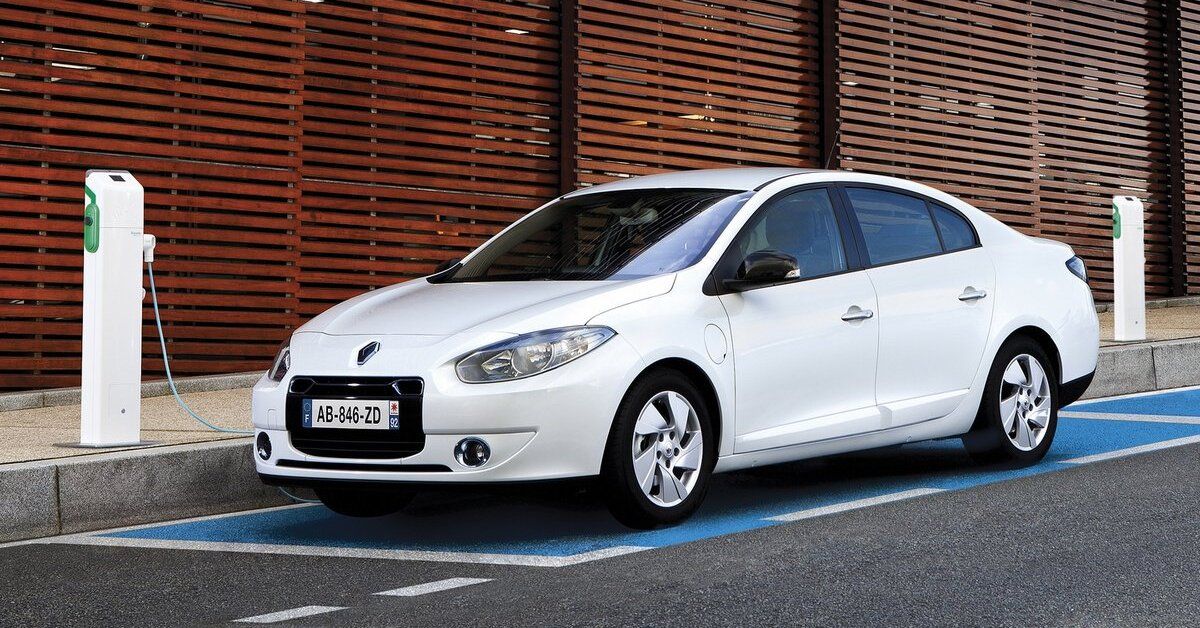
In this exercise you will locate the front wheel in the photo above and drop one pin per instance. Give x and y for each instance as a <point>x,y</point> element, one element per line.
<point>364,503</point>
<point>660,453</point>
<point>1019,411</point>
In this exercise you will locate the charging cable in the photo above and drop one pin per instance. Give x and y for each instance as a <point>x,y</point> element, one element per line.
<point>148,256</point>
<point>162,341</point>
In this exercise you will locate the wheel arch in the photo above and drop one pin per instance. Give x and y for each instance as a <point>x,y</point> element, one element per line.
<point>1037,335</point>
<point>703,383</point>
<point>1045,341</point>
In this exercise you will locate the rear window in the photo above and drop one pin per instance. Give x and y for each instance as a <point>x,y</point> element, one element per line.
<point>957,233</point>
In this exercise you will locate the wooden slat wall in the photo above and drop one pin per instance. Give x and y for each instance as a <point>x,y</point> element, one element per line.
<point>939,92</point>
<point>428,126</point>
<point>1035,110</point>
<point>1189,27</point>
<point>1101,121</point>
<point>675,85</point>
<point>199,100</point>
<point>296,154</point>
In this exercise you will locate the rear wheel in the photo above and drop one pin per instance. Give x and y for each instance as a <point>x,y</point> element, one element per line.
<point>1019,411</point>
<point>364,503</point>
<point>660,452</point>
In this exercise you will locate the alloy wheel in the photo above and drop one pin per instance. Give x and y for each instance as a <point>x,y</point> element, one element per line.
<point>668,449</point>
<point>1025,403</point>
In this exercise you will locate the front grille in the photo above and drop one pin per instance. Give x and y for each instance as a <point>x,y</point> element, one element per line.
<point>378,444</point>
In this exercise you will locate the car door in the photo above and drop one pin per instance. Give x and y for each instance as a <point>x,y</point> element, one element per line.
<point>804,351</point>
<point>934,284</point>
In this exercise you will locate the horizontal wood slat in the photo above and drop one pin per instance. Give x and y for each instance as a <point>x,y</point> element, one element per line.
<point>939,92</point>
<point>678,85</point>
<point>1102,129</point>
<point>199,100</point>
<point>1035,110</point>
<point>428,126</point>
<point>296,154</point>
<point>1189,35</point>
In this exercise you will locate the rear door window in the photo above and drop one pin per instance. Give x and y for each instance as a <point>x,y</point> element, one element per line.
<point>896,227</point>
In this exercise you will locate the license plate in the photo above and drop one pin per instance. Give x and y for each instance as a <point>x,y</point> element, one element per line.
<point>345,414</point>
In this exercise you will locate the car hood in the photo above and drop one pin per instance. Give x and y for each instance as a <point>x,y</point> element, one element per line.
<point>418,307</point>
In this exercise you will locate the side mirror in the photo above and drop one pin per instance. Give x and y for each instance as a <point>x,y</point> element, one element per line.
<point>764,268</point>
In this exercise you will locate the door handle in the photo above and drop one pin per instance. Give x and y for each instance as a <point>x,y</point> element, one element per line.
<point>856,313</point>
<point>971,294</point>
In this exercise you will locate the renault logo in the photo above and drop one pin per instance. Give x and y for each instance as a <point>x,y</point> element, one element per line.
<point>367,352</point>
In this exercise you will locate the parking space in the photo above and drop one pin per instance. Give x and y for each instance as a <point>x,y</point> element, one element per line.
<point>550,527</point>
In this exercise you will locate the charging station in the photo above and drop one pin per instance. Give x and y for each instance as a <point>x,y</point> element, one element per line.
<point>1129,269</point>
<point>114,247</point>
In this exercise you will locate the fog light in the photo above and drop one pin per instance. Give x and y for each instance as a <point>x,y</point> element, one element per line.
<point>472,452</point>
<point>263,445</point>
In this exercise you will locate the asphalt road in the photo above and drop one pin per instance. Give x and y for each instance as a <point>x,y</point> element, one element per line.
<point>1109,543</point>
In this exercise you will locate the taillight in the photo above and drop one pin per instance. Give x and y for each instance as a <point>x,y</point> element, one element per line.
<point>1077,268</point>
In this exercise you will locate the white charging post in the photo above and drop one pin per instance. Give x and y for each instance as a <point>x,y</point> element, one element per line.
<point>113,251</point>
<point>1129,269</point>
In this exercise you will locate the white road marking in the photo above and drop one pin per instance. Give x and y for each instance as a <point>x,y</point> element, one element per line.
<point>1121,453</point>
<point>521,560</point>
<point>1145,393</point>
<point>434,587</point>
<point>291,613</point>
<point>853,505</point>
<point>1147,418</point>
<point>155,524</point>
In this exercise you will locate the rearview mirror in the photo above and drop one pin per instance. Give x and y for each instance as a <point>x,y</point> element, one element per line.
<point>764,268</point>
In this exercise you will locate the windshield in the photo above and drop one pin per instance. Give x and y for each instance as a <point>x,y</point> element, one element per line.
<point>607,235</point>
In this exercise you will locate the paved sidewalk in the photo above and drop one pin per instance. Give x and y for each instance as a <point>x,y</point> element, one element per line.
<point>33,434</point>
<point>1162,323</point>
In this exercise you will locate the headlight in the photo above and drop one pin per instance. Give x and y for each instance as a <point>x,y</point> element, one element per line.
<point>530,354</point>
<point>1075,265</point>
<point>283,362</point>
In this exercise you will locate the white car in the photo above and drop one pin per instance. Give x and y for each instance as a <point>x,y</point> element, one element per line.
<point>655,330</point>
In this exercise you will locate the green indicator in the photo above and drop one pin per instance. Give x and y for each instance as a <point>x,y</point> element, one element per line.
<point>91,222</point>
<point>1116,222</point>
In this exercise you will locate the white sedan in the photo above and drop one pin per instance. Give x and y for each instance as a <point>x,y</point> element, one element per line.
<point>655,330</point>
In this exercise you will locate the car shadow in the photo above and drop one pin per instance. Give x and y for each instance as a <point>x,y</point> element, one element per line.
<point>567,518</point>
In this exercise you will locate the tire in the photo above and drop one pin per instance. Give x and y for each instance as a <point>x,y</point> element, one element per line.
<point>364,503</point>
<point>1031,416</point>
<point>682,452</point>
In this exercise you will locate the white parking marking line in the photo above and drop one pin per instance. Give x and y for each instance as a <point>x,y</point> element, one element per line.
<point>520,560</point>
<point>291,613</point>
<point>1145,393</point>
<point>434,587</point>
<point>853,505</point>
<point>1121,453</point>
<point>1147,418</point>
<point>67,538</point>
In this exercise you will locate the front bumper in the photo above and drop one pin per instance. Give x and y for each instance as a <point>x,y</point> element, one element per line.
<point>550,426</point>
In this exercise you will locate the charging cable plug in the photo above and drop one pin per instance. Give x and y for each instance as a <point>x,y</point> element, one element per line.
<point>148,242</point>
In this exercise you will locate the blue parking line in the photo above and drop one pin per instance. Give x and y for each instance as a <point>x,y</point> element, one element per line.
<point>1176,403</point>
<point>532,525</point>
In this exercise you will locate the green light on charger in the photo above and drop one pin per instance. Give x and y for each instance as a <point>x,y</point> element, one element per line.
<point>91,222</point>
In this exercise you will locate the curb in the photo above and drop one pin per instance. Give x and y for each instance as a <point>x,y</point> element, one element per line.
<point>1146,366</point>
<point>93,492</point>
<point>156,388</point>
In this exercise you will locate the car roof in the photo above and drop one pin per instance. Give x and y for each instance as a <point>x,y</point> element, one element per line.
<point>740,179</point>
